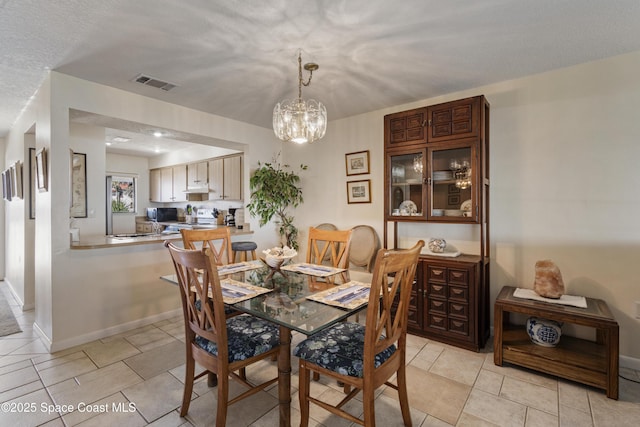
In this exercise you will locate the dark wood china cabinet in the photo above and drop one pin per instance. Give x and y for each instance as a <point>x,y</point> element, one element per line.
<point>437,172</point>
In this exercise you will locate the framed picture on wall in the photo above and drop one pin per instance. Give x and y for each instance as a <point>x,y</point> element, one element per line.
<point>78,185</point>
<point>16,177</point>
<point>357,163</point>
<point>359,191</point>
<point>6,184</point>
<point>41,169</point>
<point>32,183</point>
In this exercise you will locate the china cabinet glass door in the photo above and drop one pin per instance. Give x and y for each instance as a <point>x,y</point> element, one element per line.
<point>452,183</point>
<point>406,184</point>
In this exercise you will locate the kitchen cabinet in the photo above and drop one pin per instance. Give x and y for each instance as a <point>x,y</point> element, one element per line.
<point>225,178</point>
<point>198,175</point>
<point>179,183</point>
<point>168,184</point>
<point>437,172</point>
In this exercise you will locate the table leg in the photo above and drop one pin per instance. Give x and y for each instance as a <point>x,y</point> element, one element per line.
<point>498,327</point>
<point>284,376</point>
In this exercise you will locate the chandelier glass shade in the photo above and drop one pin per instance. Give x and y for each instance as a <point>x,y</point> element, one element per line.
<point>298,120</point>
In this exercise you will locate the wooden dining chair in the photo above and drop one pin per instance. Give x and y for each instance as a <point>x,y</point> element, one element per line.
<point>218,239</point>
<point>364,245</point>
<point>218,344</point>
<point>365,356</point>
<point>329,247</point>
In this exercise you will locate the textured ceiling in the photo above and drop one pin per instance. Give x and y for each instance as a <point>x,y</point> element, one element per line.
<point>238,58</point>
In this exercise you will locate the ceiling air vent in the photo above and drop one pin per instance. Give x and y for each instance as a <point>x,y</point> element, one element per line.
<point>150,81</point>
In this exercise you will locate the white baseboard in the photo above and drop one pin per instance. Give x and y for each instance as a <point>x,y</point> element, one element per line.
<point>25,307</point>
<point>630,363</point>
<point>54,346</point>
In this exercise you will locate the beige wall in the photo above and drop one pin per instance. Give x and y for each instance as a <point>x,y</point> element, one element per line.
<point>564,181</point>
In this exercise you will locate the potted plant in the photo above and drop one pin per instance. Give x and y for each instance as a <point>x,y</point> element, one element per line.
<point>274,189</point>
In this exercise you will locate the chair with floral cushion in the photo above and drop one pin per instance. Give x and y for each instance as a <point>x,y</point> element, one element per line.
<point>219,344</point>
<point>365,357</point>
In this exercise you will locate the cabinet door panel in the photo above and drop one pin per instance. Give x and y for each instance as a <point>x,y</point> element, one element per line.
<point>232,178</point>
<point>166,184</point>
<point>458,276</point>
<point>436,273</point>
<point>405,128</point>
<point>458,293</point>
<point>437,322</point>
<point>216,178</point>
<point>437,290</point>
<point>453,120</point>
<point>437,306</point>
<point>179,183</point>
<point>459,310</point>
<point>459,327</point>
<point>155,185</point>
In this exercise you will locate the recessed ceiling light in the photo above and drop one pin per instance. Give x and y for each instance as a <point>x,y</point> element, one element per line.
<point>157,134</point>
<point>108,143</point>
<point>120,139</point>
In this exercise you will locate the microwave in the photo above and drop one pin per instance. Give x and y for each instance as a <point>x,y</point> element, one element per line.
<point>162,214</point>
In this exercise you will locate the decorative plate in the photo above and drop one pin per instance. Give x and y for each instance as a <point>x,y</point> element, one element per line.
<point>466,205</point>
<point>409,207</point>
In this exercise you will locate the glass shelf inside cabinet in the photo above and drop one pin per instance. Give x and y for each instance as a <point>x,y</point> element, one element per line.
<point>406,197</point>
<point>452,182</point>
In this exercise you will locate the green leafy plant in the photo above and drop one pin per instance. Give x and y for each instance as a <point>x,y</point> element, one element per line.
<point>274,189</point>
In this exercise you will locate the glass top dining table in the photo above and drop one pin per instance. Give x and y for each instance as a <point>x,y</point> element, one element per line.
<point>287,306</point>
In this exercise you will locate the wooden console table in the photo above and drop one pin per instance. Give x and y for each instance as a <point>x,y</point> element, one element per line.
<point>594,363</point>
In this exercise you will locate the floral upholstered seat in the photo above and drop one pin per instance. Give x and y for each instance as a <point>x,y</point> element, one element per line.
<point>247,336</point>
<point>340,348</point>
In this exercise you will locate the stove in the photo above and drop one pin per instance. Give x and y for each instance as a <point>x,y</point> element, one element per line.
<point>207,216</point>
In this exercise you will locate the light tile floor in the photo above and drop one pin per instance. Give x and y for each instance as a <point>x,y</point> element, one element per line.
<point>135,379</point>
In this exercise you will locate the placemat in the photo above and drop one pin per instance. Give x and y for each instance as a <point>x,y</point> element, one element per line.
<point>572,300</point>
<point>239,266</point>
<point>234,291</point>
<point>313,269</point>
<point>351,295</point>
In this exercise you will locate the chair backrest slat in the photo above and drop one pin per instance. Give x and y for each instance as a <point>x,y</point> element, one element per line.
<point>331,245</point>
<point>393,274</point>
<point>216,239</point>
<point>198,280</point>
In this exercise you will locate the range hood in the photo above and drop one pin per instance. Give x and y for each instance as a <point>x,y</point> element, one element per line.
<point>196,190</point>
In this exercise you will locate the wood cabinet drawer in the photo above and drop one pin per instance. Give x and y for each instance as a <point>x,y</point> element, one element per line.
<point>436,273</point>
<point>458,293</point>
<point>437,290</point>
<point>437,322</point>
<point>458,276</point>
<point>437,306</point>
<point>459,327</point>
<point>459,310</point>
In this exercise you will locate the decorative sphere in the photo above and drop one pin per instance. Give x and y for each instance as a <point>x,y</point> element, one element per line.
<point>437,245</point>
<point>544,332</point>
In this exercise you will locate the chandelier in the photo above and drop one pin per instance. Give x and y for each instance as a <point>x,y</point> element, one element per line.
<point>297,120</point>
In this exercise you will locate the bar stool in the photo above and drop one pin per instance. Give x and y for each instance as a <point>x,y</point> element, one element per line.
<point>243,247</point>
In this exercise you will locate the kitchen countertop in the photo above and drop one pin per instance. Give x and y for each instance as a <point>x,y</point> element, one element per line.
<point>98,242</point>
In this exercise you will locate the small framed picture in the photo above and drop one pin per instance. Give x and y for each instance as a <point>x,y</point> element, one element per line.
<point>32,183</point>
<point>16,177</point>
<point>78,185</point>
<point>453,189</point>
<point>6,184</point>
<point>41,169</point>
<point>454,200</point>
<point>357,163</point>
<point>359,191</point>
